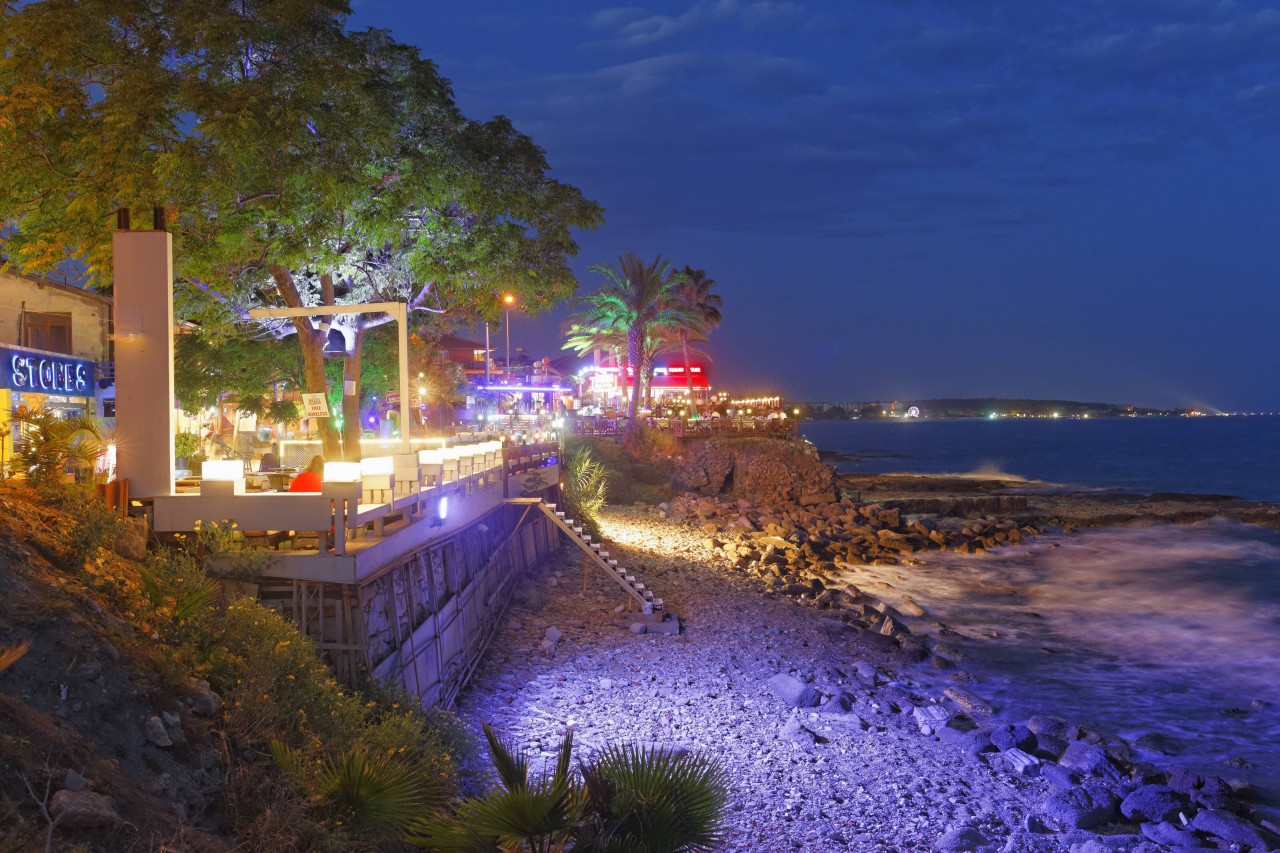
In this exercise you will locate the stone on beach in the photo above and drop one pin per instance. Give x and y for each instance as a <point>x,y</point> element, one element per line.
<point>795,693</point>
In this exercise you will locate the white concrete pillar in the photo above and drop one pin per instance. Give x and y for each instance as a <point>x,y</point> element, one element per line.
<point>144,361</point>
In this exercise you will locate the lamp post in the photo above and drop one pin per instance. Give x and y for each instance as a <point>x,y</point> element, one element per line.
<point>508,300</point>
<point>487,352</point>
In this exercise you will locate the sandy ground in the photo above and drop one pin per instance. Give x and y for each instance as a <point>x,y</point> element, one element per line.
<point>801,779</point>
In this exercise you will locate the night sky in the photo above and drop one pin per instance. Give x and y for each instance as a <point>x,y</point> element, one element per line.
<point>905,199</point>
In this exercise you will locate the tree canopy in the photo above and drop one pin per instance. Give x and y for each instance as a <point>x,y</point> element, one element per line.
<point>300,164</point>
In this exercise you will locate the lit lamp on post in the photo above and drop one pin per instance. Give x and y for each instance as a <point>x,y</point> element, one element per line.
<point>508,301</point>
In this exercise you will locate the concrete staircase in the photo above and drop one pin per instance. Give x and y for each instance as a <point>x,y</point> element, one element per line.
<point>651,613</point>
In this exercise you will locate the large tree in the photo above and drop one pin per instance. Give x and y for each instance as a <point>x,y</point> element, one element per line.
<point>301,165</point>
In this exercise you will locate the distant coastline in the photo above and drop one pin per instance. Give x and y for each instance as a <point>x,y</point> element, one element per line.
<point>985,407</point>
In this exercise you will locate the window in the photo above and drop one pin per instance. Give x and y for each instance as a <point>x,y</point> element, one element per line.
<point>47,331</point>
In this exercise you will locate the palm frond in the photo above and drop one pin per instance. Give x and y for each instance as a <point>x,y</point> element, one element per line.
<point>512,765</point>
<point>9,655</point>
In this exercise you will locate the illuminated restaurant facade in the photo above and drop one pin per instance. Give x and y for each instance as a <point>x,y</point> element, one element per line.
<point>55,352</point>
<point>605,386</point>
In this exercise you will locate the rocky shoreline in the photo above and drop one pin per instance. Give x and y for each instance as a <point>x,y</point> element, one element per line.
<point>832,743</point>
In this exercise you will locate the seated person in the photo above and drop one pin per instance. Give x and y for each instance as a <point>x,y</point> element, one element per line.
<point>270,459</point>
<point>312,479</point>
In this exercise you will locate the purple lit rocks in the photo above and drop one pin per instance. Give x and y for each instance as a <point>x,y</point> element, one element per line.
<point>856,772</point>
<point>851,773</point>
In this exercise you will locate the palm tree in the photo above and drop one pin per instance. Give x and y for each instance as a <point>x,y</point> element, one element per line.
<point>695,291</point>
<point>52,443</point>
<point>642,300</point>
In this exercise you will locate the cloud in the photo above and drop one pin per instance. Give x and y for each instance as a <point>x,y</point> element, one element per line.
<point>635,27</point>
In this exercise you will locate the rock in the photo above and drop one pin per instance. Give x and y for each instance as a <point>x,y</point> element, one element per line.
<point>638,628</point>
<point>1014,737</point>
<point>82,809</point>
<point>1170,835</point>
<point>553,634</point>
<point>131,541</point>
<point>1083,807</point>
<point>74,781</point>
<point>170,719</point>
<point>1059,777</point>
<point>932,717</point>
<point>795,693</point>
<point>1049,747</point>
<point>969,703</point>
<point>1214,793</point>
<point>1053,726</point>
<point>204,701</point>
<point>1021,764</point>
<point>156,732</point>
<point>866,673</point>
<point>1233,828</point>
<point>977,742</point>
<point>1183,781</point>
<point>793,731</point>
<point>1086,759</point>
<point>1158,743</point>
<point>1151,804</point>
<point>841,703</point>
<point>961,839</point>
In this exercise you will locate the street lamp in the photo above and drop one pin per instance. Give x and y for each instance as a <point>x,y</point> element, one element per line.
<point>508,300</point>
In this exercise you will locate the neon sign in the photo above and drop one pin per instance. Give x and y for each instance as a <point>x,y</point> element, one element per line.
<point>45,374</point>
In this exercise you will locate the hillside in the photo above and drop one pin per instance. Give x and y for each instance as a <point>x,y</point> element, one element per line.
<point>142,714</point>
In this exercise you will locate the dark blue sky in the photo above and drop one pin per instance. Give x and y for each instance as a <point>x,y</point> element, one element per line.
<point>910,199</point>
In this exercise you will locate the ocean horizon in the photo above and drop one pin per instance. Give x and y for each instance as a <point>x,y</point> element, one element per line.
<point>1237,456</point>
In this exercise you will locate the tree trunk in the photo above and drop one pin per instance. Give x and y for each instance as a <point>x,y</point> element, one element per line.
<point>688,374</point>
<point>312,341</point>
<point>634,361</point>
<point>351,425</point>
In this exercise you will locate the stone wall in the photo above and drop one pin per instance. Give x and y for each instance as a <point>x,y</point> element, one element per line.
<point>767,470</point>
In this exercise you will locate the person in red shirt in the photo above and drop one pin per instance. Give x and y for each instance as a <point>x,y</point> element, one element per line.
<point>312,479</point>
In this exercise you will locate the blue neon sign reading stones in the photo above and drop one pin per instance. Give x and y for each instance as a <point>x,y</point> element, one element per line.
<point>45,373</point>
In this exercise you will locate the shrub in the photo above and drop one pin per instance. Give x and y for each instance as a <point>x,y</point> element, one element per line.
<point>653,799</point>
<point>93,525</point>
<point>630,799</point>
<point>585,488</point>
<point>186,445</point>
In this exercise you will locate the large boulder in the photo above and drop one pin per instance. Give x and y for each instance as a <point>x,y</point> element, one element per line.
<point>131,541</point>
<point>1234,829</point>
<point>1086,759</point>
<point>82,809</point>
<point>1084,807</point>
<point>1152,804</point>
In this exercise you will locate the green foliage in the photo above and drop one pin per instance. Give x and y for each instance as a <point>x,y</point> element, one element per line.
<point>585,488</point>
<point>630,799</point>
<point>51,444</point>
<point>93,526</point>
<point>640,303</point>
<point>223,540</point>
<point>651,799</point>
<point>375,796</point>
<point>541,815</point>
<point>229,361</point>
<point>284,412</point>
<point>186,445</point>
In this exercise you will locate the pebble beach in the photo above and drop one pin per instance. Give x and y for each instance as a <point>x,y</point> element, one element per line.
<point>802,778</point>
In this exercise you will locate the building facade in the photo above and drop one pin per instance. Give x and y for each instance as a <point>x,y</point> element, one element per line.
<point>55,351</point>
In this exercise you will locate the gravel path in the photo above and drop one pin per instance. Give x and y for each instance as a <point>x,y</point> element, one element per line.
<point>802,779</point>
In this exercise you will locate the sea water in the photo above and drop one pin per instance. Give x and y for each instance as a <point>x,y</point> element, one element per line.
<point>1237,456</point>
<point>1159,629</point>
